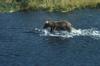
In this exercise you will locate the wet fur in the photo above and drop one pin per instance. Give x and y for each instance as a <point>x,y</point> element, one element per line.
<point>58,25</point>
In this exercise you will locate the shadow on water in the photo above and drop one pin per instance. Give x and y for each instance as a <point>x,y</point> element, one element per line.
<point>20,45</point>
<point>57,40</point>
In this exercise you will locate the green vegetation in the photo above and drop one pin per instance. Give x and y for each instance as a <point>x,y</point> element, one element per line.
<point>50,5</point>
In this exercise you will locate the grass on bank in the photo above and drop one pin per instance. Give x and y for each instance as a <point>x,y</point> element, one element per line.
<point>63,5</point>
<point>50,5</point>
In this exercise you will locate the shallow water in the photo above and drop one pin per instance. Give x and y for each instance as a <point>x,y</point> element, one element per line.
<point>23,42</point>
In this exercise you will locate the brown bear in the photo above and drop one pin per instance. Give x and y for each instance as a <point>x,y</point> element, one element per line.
<point>62,25</point>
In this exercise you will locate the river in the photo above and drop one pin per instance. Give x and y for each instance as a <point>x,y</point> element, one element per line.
<point>21,46</point>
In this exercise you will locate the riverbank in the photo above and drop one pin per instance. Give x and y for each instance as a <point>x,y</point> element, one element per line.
<point>48,5</point>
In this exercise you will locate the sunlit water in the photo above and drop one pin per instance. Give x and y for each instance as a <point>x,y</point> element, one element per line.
<point>23,41</point>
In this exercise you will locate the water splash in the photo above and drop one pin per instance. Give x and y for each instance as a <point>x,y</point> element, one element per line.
<point>93,33</point>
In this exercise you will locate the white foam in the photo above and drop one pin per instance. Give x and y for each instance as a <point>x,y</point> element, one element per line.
<point>93,33</point>
<point>47,21</point>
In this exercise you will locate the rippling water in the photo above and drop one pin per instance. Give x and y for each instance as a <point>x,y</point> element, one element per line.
<point>93,33</point>
<point>23,42</point>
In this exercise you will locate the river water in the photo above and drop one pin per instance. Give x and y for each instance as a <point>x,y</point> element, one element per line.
<point>23,42</point>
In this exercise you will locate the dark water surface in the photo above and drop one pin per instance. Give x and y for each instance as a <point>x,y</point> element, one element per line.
<point>19,46</point>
